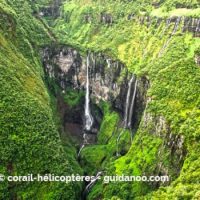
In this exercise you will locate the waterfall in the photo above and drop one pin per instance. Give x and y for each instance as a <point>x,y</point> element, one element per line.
<point>132,105</point>
<point>127,102</point>
<point>118,138</point>
<point>79,153</point>
<point>176,25</point>
<point>91,184</point>
<point>170,38</point>
<point>108,62</point>
<point>128,109</point>
<point>88,116</point>
<point>93,181</point>
<point>168,22</point>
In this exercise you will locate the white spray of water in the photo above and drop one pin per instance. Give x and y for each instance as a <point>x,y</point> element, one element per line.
<point>127,102</point>
<point>132,104</point>
<point>128,110</point>
<point>88,116</point>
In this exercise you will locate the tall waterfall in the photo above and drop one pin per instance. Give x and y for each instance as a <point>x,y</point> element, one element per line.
<point>176,25</point>
<point>132,105</point>
<point>88,116</point>
<point>128,101</point>
<point>168,22</point>
<point>170,38</point>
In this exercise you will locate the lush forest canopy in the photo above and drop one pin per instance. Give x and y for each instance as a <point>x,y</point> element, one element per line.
<point>153,39</point>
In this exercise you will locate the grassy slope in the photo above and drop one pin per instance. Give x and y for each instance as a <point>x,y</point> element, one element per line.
<point>174,88</point>
<point>30,141</point>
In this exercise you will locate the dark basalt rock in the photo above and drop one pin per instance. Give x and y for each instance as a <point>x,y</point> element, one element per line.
<point>173,19</point>
<point>140,101</point>
<point>156,4</point>
<point>87,18</point>
<point>52,10</point>
<point>106,18</point>
<point>108,80</point>
<point>68,69</point>
<point>189,25</point>
<point>172,146</point>
<point>62,64</point>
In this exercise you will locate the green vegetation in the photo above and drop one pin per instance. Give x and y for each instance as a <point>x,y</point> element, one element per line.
<point>31,139</point>
<point>73,97</point>
<point>100,156</point>
<point>174,91</point>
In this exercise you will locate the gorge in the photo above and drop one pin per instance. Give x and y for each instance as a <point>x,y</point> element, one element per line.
<point>100,88</point>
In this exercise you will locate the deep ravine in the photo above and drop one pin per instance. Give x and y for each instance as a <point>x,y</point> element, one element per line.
<point>100,88</point>
<point>91,76</point>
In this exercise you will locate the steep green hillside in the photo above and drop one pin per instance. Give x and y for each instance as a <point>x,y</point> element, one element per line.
<point>154,40</point>
<point>165,55</point>
<point>30,142</point>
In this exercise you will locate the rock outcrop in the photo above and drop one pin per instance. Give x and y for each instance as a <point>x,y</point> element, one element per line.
<point>108,78</point>
<point>106,18</point>
<point>52,10</point>
<point>172,146</point>
<point>68,68</point>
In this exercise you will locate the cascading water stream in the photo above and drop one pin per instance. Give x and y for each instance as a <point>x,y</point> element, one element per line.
<point>176,25</point>
<point>88,116</point>
<point>132,104</point>
<point>118,138</point>
<point>198,28</point>
<point>96,178</point>
<point>128,110</point>
<point>131,109</point>
<point>166,27</point>
<point>171,35</point>
<point>127,101</point>
<point>79,153</point>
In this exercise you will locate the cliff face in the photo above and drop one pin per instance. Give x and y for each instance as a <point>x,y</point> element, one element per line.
<point>68,68</point>
<point>108,79</point>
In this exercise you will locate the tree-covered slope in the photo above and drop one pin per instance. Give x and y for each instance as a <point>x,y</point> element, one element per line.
<point>150,39</point>
<point>158,41</point>
<point>30,142</point>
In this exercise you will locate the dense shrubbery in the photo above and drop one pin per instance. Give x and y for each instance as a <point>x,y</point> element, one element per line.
<point>72,97</point>
<point>174,91</point>
<point>29,138</point>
